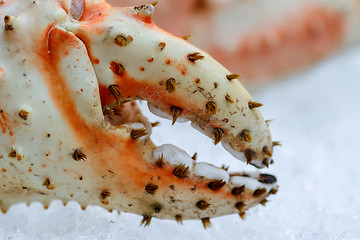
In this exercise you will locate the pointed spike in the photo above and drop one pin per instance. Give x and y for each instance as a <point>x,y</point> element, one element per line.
<point>267,178</point>
<point>180,171</point>
<point>170,85</point>
<point>273,191</point>
<point>122,40</point>
<point>145,221</point>
<point>157,208</point>
<point>151,188</point>
<point>194,156</point>
<point>202,204</point>
<point>238,190</point>
<point>179,219</point>
<point>276,143</point>
<point>263,202</point>
<point>108,111</point>
<point>187,37</point>
<point>162,45</point>
<point>114,89</point>
<point>245,135</point>
<point>229,99</point>
<point>8,25</point>
<point>253,105</point>
<point>267,151</point>
<point>240,206</point>
<point>218,135</point>
<point>155,124</point>
<point>138,133</point>
<point>176,111</point>
<point>258,192</point>
<point>48,185</point>
<point>211,107</point>
<point>266,162</point>
<point>206,222</point>
<point>226,168</point>
<point>242,215</point>
<point>105,194</point>
<point>269,121</point>
<point>154,3</point>
<point>192,57</point>
<point>78,155</point>
<point>232,76</point>
<point>217,184</point>
<point>249,154</point>
<point>160,162</point>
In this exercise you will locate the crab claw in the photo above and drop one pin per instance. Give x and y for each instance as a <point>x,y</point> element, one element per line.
<point>71,130</point>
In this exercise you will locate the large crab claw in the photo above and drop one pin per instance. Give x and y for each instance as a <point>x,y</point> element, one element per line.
<point>71,131</point>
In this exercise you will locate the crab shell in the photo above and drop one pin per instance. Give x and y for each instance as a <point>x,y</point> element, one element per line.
<point>69,73</point>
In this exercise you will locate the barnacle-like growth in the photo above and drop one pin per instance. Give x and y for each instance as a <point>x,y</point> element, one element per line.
<point>70,128</point>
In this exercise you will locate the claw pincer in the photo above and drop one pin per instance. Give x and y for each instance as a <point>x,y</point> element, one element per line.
<point>72,131</point>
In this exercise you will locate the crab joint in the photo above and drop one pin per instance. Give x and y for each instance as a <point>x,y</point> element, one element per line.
<point>217,184</point>
<point>78,155</point>
<point>253,105</point>
<point>170,85</point>
<point>211,107</point>
<point>138,133</point>
<point>192,57</point>
<point>176,111</point>
<point>218,135</point>
<point>151,188</point>
<point>122,40</point>
<point>232,76</point>
<point>180,171</point>
<point>202,204</point>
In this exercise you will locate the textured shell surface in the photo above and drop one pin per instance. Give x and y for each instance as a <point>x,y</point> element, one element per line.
<point>70,72</point>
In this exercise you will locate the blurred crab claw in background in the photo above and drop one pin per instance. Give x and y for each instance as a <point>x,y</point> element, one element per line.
<point>262,40</point>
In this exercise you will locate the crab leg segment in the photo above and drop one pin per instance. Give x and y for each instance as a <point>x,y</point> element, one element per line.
<point>70,130</point>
